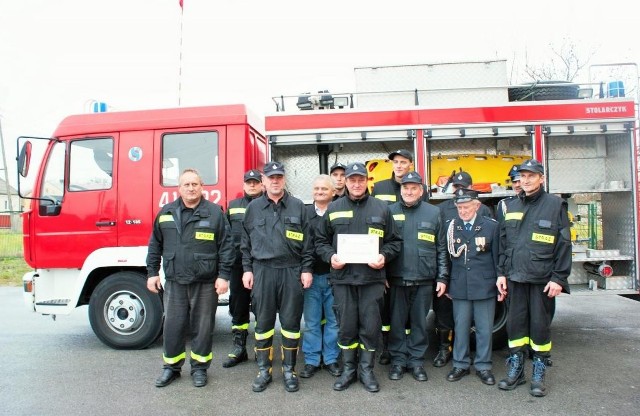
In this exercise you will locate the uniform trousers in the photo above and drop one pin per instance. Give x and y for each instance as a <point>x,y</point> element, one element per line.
<point>189,310</point>
<point>357,309</point>
<point>443,309</point>
<point>529,316</point>
<point>276,291</point>
<point>239,300</point>
<point>412,304</point>
<point>481,313</point>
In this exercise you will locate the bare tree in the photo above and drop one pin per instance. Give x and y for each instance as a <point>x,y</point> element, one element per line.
<point>565,64</point>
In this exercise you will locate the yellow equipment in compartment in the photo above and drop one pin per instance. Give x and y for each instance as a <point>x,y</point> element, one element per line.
<point>484,169</point>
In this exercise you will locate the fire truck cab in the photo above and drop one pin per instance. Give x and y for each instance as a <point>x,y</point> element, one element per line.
<point>94,190</point>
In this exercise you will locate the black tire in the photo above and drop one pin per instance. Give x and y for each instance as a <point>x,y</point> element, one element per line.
<point>123,313</point>
<point>544,91</point>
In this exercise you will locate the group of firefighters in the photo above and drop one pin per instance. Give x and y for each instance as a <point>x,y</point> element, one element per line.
<point>364,269</point>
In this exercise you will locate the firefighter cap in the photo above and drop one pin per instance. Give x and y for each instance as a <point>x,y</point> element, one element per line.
<point>337,165</point>
<point>402,152</point>
<point>355,168</point>
<point>463,179</point>
<point>514,174</point>
<point>273,168</point>
<point>253,174</point>
<point>531,165</point>
<point>411,177</point>
<point>465,195</point>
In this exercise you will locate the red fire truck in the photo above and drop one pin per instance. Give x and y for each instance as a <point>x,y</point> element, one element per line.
<point>103,177</point>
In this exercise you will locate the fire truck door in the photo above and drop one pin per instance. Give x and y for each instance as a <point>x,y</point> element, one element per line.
<point>78,214</point>
<point>135,205</point>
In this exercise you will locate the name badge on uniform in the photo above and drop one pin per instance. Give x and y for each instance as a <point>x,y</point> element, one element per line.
<point>543,238</point>
<point>294,235</point>
<point>427,237</point>
<point>375,231</point>
<point>204,236</point>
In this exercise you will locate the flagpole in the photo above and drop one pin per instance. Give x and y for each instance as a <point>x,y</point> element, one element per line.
<point>180,59</point>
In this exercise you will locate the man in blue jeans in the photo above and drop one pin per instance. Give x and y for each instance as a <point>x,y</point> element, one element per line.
<point>320,341</point>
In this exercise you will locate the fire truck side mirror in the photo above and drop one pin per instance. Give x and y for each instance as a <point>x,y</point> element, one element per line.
<point>24,159</point>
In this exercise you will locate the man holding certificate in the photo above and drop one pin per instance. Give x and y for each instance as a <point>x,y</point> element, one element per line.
<point>357,237</point>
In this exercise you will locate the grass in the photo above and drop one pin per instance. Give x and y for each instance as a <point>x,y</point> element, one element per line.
<point>11,271</point>
<point>12,265</point>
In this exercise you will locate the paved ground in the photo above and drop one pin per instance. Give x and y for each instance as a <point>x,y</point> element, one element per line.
<point>60,368</point>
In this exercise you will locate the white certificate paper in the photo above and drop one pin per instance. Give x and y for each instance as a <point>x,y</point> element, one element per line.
<point>358,248</point>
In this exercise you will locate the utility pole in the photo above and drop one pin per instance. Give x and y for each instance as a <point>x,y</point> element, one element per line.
<point>4,168</point>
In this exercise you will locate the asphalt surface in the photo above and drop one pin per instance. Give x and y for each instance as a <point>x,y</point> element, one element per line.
<point>61,368</point>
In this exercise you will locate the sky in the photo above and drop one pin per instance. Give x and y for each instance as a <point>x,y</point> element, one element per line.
<point>58,57</point>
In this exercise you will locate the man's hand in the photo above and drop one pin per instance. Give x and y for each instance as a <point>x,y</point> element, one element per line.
<point>153,284</point>
<point>221,286</point>
<point>552,289</point>
<point>336,263</point>
<point>306,279</point>
<point>501,284</point>
<point>378,264</point>
<point>247,280</point>
<point>441,288</point>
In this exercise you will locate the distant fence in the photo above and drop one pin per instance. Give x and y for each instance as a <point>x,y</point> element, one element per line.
<point>10,234</point>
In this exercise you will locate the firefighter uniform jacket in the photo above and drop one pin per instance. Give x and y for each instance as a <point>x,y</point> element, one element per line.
<point>319,266</point>
<point>235,215</point>
<point>365,216</point>
<point>278,233</point>
<point>199,250</point>
<point>535,240</point>
<point>389,190</point>
<point>473,272</point>
<point>501,208</point>
<point>423,256</point>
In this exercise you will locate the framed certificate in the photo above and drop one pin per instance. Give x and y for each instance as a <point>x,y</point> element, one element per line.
<point>358,248</point>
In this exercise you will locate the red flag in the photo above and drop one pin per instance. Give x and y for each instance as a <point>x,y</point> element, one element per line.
<point>181,4</point>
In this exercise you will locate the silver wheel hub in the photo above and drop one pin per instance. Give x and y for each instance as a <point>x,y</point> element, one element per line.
<point>124,312</point>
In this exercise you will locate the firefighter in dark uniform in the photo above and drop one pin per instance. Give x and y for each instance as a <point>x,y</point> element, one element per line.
<point>337,177</point>
<point>240,297</point>
<point>389,190</point>
<point>501,208</point>
<point>534,265</point>
<point>277,255</point>
<point>472,241</point>
<point>422,260</point>
<point>442,306</point>
<point>357,288</point>
<point>192,237</point>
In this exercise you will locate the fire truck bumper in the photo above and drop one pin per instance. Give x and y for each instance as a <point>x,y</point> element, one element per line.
<point>28,290</point>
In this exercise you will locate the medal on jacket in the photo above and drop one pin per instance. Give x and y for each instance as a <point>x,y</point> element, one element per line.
<point>480,243</point>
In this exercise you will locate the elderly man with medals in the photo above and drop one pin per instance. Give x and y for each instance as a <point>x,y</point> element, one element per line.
<point>472,242</point>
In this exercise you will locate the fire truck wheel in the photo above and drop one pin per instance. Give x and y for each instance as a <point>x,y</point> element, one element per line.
<point>123,313</point>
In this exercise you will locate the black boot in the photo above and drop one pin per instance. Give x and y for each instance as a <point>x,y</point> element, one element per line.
<point>348,375</point>
<point>515,372</point>
<point>385,357</point>
<point>537,378</point>
<point>289,356</point>
<point>239,352</point>
<point>264,357</point>
<point>444,348</point>
<point>365,371</point>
